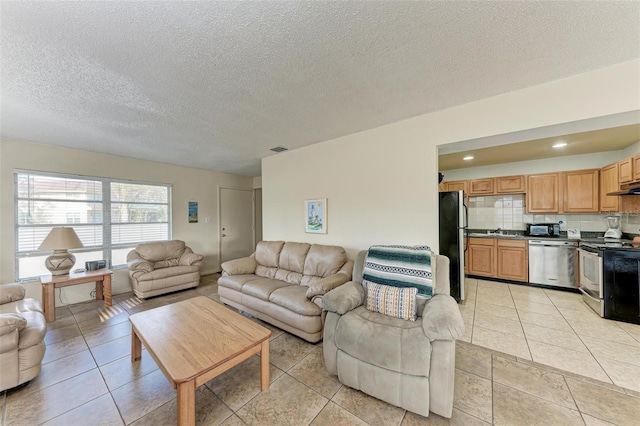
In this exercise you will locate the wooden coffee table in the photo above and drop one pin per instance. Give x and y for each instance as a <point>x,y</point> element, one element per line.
<point>194,341</point>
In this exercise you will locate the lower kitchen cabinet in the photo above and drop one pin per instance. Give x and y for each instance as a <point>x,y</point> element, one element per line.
<point>499,258</point>
<point>482,257</point>
<point>513,260</point>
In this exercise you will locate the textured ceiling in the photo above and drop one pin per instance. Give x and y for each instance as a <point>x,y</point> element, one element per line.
<point>612,139</point>
<point>216,84</point>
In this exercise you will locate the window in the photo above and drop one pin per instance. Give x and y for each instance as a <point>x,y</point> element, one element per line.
<point>109,216</point>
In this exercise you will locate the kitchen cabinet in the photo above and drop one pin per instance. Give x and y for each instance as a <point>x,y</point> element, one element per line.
<point>636,167</point>
<point>581,191</point>
<point>510,184</point>
<point>458,185</point>
<point>625,170</point>
<point>542,193</point>
<point>482,257</point>
<point>513,260</point>
<point>481,186</point>
<point>609,183</point>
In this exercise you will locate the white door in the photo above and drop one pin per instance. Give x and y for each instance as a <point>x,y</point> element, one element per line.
<point>236,223</point>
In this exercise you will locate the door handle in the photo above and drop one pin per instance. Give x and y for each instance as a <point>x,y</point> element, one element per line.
<point>224,235</point>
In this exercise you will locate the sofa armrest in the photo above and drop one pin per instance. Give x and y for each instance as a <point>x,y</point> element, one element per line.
<point>11,322</point>
<point>441,318</point>
<point>189,259</point>
<point>326,284</point>
<point>245,265</point>
<point>344,298</point>
<point>140,265</point>
<point>11,293</point>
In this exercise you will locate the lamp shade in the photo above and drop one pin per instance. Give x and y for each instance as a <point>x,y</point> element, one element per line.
<point>61,238</point>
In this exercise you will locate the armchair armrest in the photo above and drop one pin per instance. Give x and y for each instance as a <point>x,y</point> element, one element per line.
<point>139,267</point>
<point>11,322</point>
<point>245,265</point>
<point>11,293</point>
<point>189,259</point>
<point>344,298</point>
<point>441,318</point>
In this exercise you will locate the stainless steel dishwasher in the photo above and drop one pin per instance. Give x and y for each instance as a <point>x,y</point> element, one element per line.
<point>553,263</point>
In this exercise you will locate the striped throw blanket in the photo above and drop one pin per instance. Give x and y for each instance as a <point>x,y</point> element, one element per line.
<point>401,266</point>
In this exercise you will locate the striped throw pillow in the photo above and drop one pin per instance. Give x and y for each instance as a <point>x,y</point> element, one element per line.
<point>392,301</point>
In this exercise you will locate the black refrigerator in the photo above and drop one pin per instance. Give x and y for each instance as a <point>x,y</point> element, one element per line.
<point>453,226</point>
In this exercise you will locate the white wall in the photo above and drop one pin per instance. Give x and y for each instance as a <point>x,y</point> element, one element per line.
<point>547,165</point>
<point>381,183</point>
<point>187,184</point>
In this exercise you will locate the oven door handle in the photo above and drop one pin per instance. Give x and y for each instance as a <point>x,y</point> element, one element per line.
<point>588,252</point>
<point>588,295</point>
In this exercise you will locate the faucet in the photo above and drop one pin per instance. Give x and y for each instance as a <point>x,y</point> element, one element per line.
<point>498,231</point>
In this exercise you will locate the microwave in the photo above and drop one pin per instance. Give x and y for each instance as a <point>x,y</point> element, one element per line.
<point>543,229</point>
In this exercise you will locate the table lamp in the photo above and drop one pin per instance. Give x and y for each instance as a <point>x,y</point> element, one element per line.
<point>60,239</point>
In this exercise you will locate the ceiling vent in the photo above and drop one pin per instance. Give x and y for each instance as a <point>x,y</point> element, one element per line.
<point>278,149</point>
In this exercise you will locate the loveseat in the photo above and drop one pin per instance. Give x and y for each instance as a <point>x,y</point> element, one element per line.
<point>22,331</point>
<point>163,267</point>
<point>410,364</point>
<point>283,284</point>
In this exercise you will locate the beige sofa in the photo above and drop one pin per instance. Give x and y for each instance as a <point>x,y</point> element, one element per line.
<point>22,331</point>
<point>410,364</point>
<point>163,267</point>
<point>283,284</point>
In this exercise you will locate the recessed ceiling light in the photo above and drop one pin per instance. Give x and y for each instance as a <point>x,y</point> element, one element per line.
<point>559,145</point>
<point>467,157</point>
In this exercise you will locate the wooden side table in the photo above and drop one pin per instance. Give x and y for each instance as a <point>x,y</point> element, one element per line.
<point>102,278</point>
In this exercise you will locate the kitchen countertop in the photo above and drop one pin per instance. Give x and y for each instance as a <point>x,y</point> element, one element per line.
<point>526,237</point>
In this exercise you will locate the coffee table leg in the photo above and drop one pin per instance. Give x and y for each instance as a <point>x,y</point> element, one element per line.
<point>136,347</point>
<point>264,365</point>
<point>187,403</point>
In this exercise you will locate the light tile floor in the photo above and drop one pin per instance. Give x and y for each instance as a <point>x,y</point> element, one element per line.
<point>551,327</point>
<point>88,379</point>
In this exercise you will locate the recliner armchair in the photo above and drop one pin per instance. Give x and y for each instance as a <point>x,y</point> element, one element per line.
<point>410,364</point>
<point>22,331</point>
<point>163,267</point>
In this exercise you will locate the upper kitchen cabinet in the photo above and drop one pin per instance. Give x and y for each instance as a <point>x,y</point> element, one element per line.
<point>580,190</point>
<point>542,193</point>
<point>609,183</point>
<point>458,185</point>
<point>636,167</point>
<point>625,170</point>
<point>482,186</point>
<point>510,184</point>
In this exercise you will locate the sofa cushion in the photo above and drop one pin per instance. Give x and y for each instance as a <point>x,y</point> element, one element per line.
<point>236,281</point>
<point>384,341</point>
<point>268,253</point>
<point>391,301</point>
<point>292,256</point>
<point>295,299</point>
<point>167,272</point>
<point>322,261</point>
<point>162,250</point>
<point>266,271</point>
<point>288,276</point>
<point>263,287</point>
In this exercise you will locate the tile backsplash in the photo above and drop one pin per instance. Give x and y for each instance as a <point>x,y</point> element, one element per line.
<point>508,212</point>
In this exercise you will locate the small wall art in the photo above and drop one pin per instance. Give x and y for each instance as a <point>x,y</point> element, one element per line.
<point>193,212</point>
<point>316,216</point>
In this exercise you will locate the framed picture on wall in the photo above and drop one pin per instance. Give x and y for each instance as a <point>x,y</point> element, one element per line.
<point>316,216</point>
